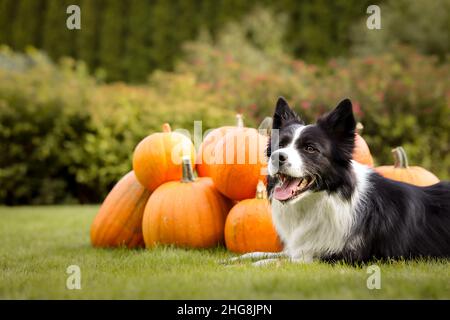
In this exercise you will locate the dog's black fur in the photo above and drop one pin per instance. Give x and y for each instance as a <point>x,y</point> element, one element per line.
<point>392,219</point>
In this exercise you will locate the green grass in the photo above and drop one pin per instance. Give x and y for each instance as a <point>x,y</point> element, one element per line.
<point>37,244</point>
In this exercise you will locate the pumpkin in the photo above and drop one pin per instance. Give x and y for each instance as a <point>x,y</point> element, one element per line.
<point>186,213</point>
<point>239,163</point>
<point>401,171</point>
<point>249,226</point>
<point>361,152</point>
<point>205,155</point>
<point>157,158</point>
<point>119,221</point>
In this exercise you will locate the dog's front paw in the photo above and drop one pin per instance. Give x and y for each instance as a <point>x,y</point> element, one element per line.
<point>267,262</point>
<point>252,256</point>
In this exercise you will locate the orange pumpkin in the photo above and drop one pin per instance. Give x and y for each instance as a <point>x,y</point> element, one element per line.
<point>361,152</point>
<point>157,158</point>
<point>205,155</point>
<point>249,226</point>
<point>186,213</point>
<point>400,171</point>
<point>119,221</point>
<point>239,163</point>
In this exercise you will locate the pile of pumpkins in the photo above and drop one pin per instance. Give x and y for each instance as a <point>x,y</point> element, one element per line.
<point>162,202</point>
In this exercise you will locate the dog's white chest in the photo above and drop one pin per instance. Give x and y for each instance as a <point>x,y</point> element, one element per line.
<point>314,226</point>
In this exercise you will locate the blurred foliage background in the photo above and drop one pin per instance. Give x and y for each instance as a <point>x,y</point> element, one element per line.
<point>128,39</point>
<point>74,103</point>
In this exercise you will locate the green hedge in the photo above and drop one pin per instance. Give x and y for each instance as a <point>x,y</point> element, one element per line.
<point>67,137</point>
<point>129,39</point>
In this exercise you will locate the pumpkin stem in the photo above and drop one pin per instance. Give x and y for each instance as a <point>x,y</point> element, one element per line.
<point>266,126</point>
<point>261,192</point>
<point>359,127</point>
<point>239,120</point>
<point>188,174</point>
<point>400,158</point>
<point>166,127</point>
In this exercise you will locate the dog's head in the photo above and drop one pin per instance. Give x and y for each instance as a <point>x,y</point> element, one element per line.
<point>304,159</point>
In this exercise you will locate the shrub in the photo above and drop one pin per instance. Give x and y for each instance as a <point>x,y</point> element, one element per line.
<point>65,137</point>
<point>41,113</point>
<point>422,24</point>
<point>129,39</point>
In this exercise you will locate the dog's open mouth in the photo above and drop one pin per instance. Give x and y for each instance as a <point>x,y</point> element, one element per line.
<point>291,187</point>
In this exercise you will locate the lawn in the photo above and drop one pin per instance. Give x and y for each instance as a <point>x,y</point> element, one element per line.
<point>39,243</point>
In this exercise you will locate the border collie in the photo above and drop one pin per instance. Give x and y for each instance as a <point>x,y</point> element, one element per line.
<point>326,206</point>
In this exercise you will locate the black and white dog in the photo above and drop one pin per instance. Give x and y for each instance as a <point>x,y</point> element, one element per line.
<point>327,206</point>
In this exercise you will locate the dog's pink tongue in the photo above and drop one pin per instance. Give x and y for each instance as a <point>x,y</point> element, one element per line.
<point>284,191</point>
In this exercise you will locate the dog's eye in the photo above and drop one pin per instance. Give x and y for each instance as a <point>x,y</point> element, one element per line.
<point>310,149</point>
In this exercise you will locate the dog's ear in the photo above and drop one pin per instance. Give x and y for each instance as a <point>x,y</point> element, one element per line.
<point>341,121</point>
<point>283,114</point>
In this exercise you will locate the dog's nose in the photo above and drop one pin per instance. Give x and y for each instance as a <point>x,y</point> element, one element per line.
<point>279,158</point>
